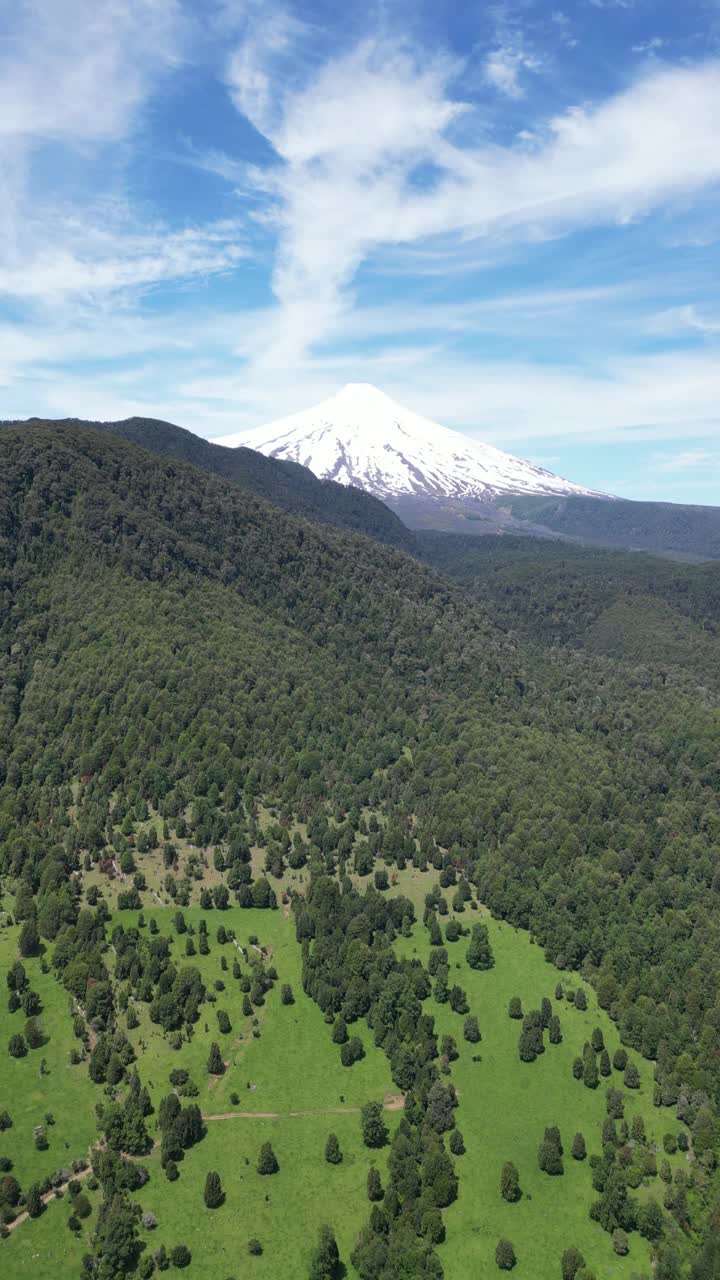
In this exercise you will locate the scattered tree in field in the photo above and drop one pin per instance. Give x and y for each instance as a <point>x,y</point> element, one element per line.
<point>597,1040</point>
<point>545,1012</point>
<point>458,1000</point>
<point>339,1031</point>
<point>605,1064</point>
<point>559,991</point>
<point>471,1029</point>
<point>614,1104</point>
<point>214,1194</point>
<point>505,1255</point>
<point>580,1000</point>
<point>286,994</point>
<point>577,1068</point>
<point>374,1185</point>
<point>180,1256</point>
<point>352,1051</point>
<point>515,1007</point>
<point>35,1204</point>
<point>29,941</point>
<point>530,1044</point>
<point>325,1261</point>
<point>374,1129</point>
<point>510,1182</point>
<point>267,1161</point>
<point>550,1153</point>
<point>591,1077</point>
<point>17,1046</point>
<point>457,1143</point>
<point>479,953</point>
<point>333,1154</point>
<point>579,1150</point>
<point>631,1077</point>
<point>254,1247</point>
<point>620,1243</point>
<point>215,1064</point>
<point>554,1030</point>
<point>572,1262</point>
<point>620,1059</point>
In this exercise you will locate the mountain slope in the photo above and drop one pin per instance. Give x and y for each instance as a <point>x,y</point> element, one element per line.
<point>286,484</point>
<point>647,526</point>
<point>362,437</point>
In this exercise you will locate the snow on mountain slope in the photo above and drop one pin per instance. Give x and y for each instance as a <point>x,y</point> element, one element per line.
<point>362,437</point>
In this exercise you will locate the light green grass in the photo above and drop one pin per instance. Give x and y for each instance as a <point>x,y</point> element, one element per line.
<point>66,1090</point>
<point>284,1211</point>
<point>44,1249</point>
<point>505,1105</point>
<point>293,1066</point>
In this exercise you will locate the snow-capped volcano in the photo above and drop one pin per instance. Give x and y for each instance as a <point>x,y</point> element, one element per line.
<point>362,437</point>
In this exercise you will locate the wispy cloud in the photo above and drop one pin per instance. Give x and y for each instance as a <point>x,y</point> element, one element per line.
<point>504,69</point>
<point>369,159</point>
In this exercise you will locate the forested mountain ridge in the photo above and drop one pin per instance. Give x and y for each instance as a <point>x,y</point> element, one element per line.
<point>287,484</point>
<point>173,645</point>
<point>637,608</point>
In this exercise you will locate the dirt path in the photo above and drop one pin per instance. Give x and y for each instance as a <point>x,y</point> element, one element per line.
<point>49,1195</point>
<point>391,1102</point>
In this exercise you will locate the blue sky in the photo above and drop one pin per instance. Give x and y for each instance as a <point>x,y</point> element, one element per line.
<point>505,215</point>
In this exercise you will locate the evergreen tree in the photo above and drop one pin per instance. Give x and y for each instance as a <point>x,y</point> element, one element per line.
<point>374,1185</point>
<point>510,1182</point>
<point>35,1204</point>
<point>605,1064</point>
<point>214,1194</point>
<point>554,1030</point>
<point>471,1030</point>
<point>215,1064</point>
<point>515,1007</point>
<point>333,1154</point>
<point>579,1150</point>
<point>267,1161</point>
<point>572,1262</point>
<point>374,1129</point>
<point>505,1255</point>
<point>479,953</point>
<point>325,1261</point>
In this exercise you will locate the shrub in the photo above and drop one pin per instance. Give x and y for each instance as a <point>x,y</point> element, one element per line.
<point>254,1247</point>
<point>515,1008</point>
<point>457,1143</point>
<point>505,1255</point>
<point>333,1154</point>
<point>180,1255</point>
<point>471,1030</point>
<point>579,1150</point>
<point>571,1263</point>
<point>510,1182</point>
<point>213,1195</point>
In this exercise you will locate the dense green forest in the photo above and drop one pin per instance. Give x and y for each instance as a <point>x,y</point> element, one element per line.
<point>650,526</point>
<point>286,484</point>
<point>534,728</point>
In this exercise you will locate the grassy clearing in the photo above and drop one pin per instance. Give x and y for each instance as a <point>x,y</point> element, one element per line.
<point>44,1249</point>
<point>284,1211</point>
<point>505,1105</point>
<point>293,1065</point>
<point>65,1091</point>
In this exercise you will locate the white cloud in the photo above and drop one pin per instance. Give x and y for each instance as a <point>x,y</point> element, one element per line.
<point>504,67</point>
<point>368,160</point>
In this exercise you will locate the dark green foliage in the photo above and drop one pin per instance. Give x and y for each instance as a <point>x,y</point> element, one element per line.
<point>550,1153</point>
<point>471,1030</point>
<point>267,1160</point>
<point>505,1255</point>
<point>515,1008</point>
<point>580,999</point>
<point>597,1040</point>
<point>180,1256</point>
<point>605,1065</point>
<point>572,1261</point>
<point>325,1261</point>
<point>479,953</point>
<point>215,1064</point>
<point>555,1030</point>
<point>530,1044</point>
<point>650,1221</point>
<point>286,994</point>
<point>456,1143</point>
<point>17,1046</point>
<point>352,1051</point>
<point>213,1194</point>
<point>631,1077</point>
<point>35,1204</point>
<point>374,1185</point>
<point>254,1247</point>
<point>374,1129</point>
<point>579,1150</point>
<point>620,1059</point>
<point>333,1154</point>
<point>510,1182</point>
